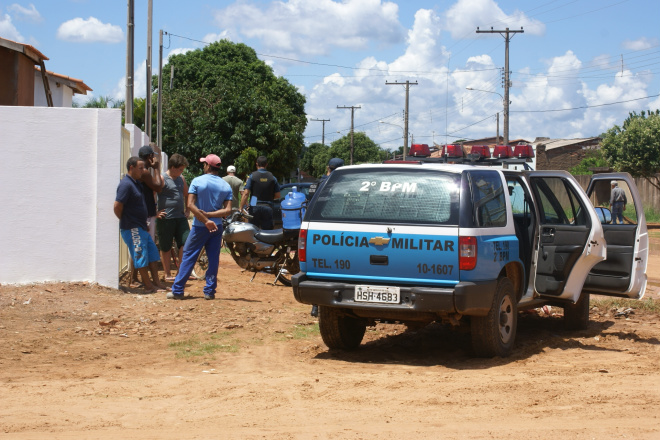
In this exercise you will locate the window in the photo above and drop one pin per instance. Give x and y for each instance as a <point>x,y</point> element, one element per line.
<point>600,198</point>
<point>488,199</point>
<point>377,195</point>
<point>559,202</point>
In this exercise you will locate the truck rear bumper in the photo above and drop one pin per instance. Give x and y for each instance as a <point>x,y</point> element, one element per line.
<point>466,298</point>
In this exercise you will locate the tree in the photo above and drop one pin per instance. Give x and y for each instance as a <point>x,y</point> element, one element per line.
<point>635,147</point>
<point>364,149</point>
<point>314,159</point>
<point>591,159</point>
<point>226,101</point>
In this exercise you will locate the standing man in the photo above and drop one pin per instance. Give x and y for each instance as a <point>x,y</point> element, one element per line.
<point>131,210</point>
<point>209,199</point>
<point>262,185</point>
<point>152,183</point>
<point>618,202</point>
<point>235,184</point>
<point>172,224</point>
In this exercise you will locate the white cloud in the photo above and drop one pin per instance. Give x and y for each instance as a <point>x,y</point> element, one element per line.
<point>314,27</point>
<point>463,18</point>
<point>224,35</point>
<point>139,84</point>
<point>640,44</point>
<point>178,51</point>
<point>8,30</point>
<point>91,30</point>
<point>23,13</point>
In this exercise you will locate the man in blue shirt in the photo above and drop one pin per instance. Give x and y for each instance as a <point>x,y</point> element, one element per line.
<point>209,199</point>
<point>131,210</point>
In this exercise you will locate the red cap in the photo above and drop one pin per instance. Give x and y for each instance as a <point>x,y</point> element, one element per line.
<point>212,160</point>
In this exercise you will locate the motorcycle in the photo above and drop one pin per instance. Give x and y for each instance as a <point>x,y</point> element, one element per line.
<point>274,252</point>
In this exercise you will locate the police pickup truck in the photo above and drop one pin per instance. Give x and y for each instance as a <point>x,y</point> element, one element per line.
<point>421,242</point>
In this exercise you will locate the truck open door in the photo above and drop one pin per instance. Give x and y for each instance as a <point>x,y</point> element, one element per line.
<point>623,273</point>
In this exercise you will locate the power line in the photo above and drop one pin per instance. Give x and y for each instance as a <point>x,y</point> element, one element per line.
<point>583,107</point>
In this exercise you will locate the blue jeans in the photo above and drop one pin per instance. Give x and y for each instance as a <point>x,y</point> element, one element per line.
<point>617,212</point>
<point>199,238</point>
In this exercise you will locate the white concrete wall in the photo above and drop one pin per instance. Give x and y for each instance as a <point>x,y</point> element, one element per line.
<point>59,178</point>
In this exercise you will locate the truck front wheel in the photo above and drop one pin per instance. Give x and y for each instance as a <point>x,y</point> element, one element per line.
<point>495,333</point>
<point>340,331</point>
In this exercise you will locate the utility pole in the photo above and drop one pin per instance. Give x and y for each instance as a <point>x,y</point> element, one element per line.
<point>323,135</point>
<point>405,116</point>
<point>507,83</point>
<point>497,138</point>
<point>159,110</point>
<point>352,107</point>
<point>130,27</point>
<point>147,103</point>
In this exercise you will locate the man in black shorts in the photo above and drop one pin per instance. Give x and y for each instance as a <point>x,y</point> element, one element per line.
<point>262,185</point>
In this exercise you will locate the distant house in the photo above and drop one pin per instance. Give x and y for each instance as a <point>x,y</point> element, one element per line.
<point>62,88</point>
<point>22,83</point>
<point>562,154</point>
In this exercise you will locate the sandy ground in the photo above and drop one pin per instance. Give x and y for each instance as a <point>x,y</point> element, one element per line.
<point>83,362</point>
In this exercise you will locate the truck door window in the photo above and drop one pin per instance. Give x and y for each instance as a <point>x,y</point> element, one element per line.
<point>488,199</point>
<point>601,196</point>
<point>559,203</point>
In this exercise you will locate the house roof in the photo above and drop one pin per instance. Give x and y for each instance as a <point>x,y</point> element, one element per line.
<point>25,49</point>
<point>77,85</point>
<point>551,144</point>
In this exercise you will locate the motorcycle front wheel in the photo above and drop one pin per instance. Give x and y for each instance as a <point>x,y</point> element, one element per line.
<point>287,266</point>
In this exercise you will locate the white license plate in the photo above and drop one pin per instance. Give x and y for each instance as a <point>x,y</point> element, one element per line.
<point>377,294</point>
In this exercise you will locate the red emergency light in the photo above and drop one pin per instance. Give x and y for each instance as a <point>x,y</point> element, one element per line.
<point>502,151</point>
<point>452,150</point>
<point>524,151</point>
<point>419,150</point>
<point>482,150</point>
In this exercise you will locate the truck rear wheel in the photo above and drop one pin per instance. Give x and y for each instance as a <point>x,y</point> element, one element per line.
<point>495,333</point>
<point>340,331</point>
<point>576,316</point>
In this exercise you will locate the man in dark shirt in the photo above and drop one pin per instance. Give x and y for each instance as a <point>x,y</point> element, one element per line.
<point>131,210</point>
<point>264,187</point>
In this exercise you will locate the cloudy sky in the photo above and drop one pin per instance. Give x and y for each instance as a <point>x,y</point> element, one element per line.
<point>579,67</point>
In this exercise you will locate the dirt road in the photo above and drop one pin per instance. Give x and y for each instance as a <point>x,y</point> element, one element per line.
<point>79,361</point>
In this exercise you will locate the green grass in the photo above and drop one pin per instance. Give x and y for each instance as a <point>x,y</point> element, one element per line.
<point>305,331</point>
<point>193,347</point>
<point>648,304</point>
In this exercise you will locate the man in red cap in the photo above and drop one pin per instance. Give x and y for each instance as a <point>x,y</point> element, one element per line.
<point>209,199</point>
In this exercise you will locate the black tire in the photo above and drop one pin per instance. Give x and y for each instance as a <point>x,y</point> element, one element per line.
<point>576,316</point>
<point>494,334</point>
<point>340,331</point>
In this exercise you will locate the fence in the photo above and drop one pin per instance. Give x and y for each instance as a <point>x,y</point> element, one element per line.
<point>650,194</point>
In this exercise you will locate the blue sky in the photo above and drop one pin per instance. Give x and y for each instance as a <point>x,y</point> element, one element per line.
<point>579,67</point>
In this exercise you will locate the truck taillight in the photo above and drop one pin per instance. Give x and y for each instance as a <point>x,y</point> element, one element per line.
<point>302,245</point>
<point>467,253</point>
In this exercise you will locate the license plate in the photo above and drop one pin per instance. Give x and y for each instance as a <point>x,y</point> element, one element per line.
<point>377,294</point>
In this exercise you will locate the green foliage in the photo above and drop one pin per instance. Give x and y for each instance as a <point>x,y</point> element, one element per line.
<point>364,150</point>
<point>635,147</point>
<point>592,159</point>
<point>226,101</point>
<point>99,102</point>
<point>314,159</point>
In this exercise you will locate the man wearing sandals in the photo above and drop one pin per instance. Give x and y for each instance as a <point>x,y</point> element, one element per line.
<point>131,209</point>
<point>209,199</point>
